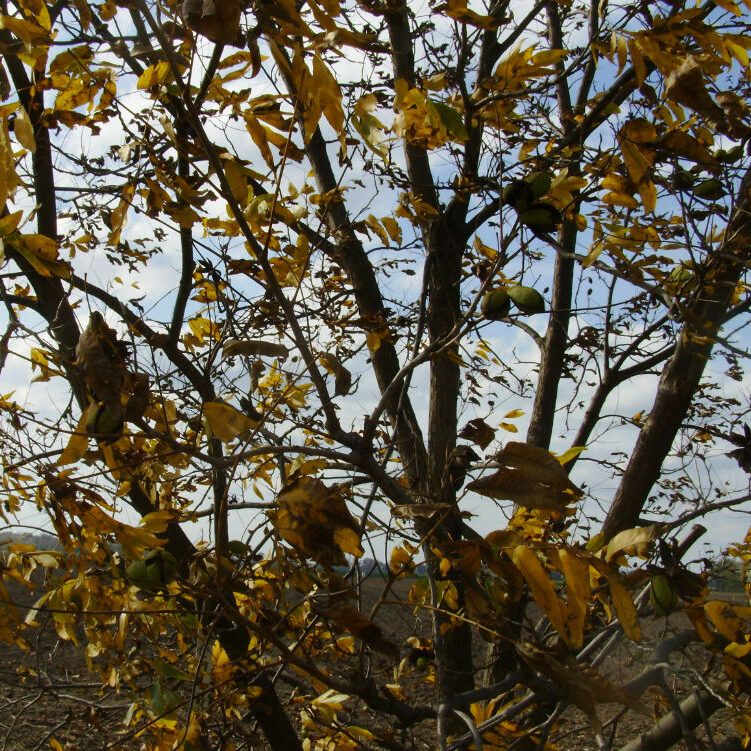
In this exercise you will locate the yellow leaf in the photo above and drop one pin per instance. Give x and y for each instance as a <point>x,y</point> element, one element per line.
<point>448,596</point>
<point>226,423</point>
<point>24,130</point>
<point>510,427</point>
<point>637,541</point>
<point>222,666</point>
<point>594,254</point>
<point>401,559</point>
<point>727,619</point>
<point>376,226</point>
<point>29,33</point>
<point>570,454</point>
<point>157,521</point>
<point>41,252</point>
<point>625,609</point>
<point>548,57</point>
<point>578,595</point>
<point>374,338</point>
<point>362,733</point>
<point>514,414</point>
<point>648,194</point>
<point>617,183</point>
<point>154,75</point>
<point>348,541</point>
<point>368,126</point>
<point>620,199</point>
<point>260,135</point>
<point>393,228</point>
<point>639,131</point>
<point>331,700</point>
<point>78,442</point>
<point>458,10</point>
<point>40,362</point>
<point>119,215</point>
<point>9,223</point>
<point>636,160</point>
<point>540,586</point>
<point>329,95</point>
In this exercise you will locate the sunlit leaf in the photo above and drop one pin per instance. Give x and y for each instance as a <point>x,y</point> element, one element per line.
<point>570,454</point>
<point>154,75</point>
<point>225,422</point>
<point>24,130</point>
<point>637,542</point>
<point>78,442</point>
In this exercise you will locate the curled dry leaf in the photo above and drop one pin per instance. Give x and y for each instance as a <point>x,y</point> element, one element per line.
<point>637,541</point>
<point>686,86</point>
<point>419,510</point>
<point>217,20</point>
<point>479,432</point>
<point>100,358</point>
<point>314,519</point>
<point>529,476</point>
<point>138,386</point>
<point>253,347</point>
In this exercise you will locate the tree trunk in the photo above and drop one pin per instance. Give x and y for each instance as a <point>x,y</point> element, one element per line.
<point>682,374</point>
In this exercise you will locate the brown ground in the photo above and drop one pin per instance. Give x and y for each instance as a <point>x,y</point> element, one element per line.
<point>48,693</point>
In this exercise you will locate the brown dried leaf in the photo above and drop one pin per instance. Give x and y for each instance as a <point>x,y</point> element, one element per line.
<point>536,464</point>
<point>513,485</point>
<point>465,555</point>
<point>100,358</point>
<point>253,347</point>
<point>138,385</point>
<point>681,144</point>
<point>418,510</point>
<point>313,518</point>
<point>685,85</point>
<point>478,432</point>
<point>531,477</point>
<point>217,20</point>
